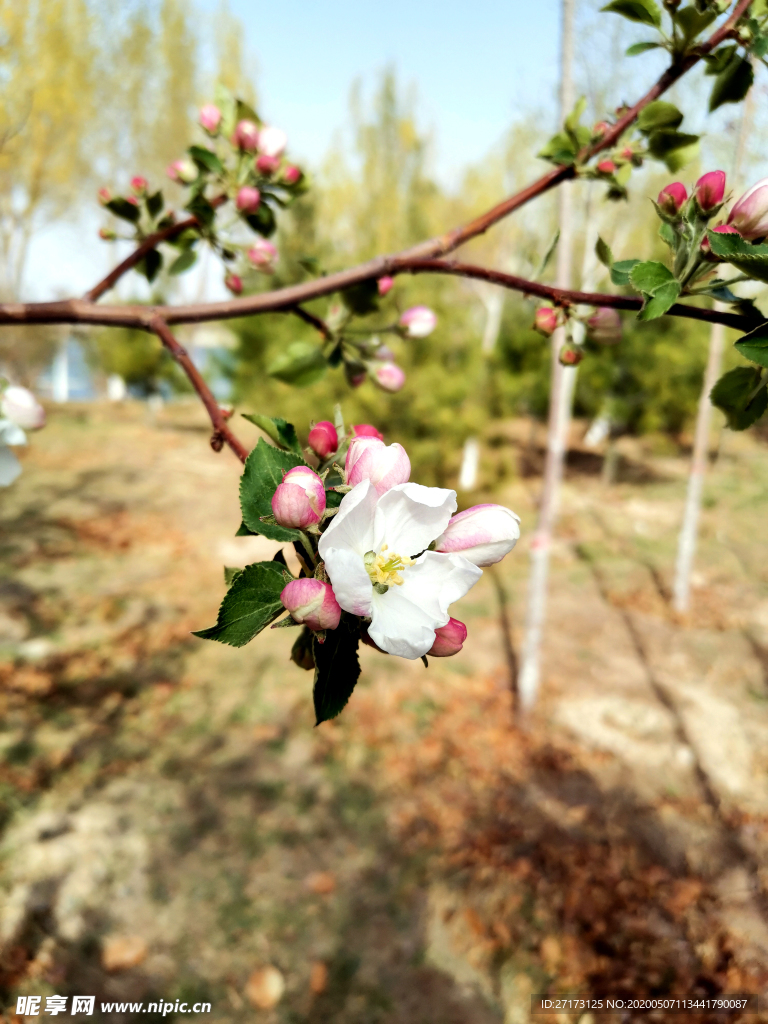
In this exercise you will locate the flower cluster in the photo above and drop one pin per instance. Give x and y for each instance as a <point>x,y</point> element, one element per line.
<point>20,411</point>
<point>383,559</point>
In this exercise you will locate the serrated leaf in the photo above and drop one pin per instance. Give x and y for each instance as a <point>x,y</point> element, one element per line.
<point>603,253</point>
<point>754,346</point>
<point>264,470</point>
<point>621,270</point>
<point>243,531</point>
<point>250,604</point>
<point>154,204</point>
<point>206,159</point>
<point>656,305</point>
<point>732,394</point>
<point>659,114</point>
<point>675,149</point>
<point>750,259</point>
<point>123,209</point>
<point>150,265</point>
<point>733,83</point>
<point>636,48</point>
<point>263,221</point>
<point>649,276</point>
<point>183,262</point>
<point>281,432</point>
<point>667,234</point>
<point>337,668</point>
<point>645,11</point>
<point>301,364</point>
<point>230,575</point>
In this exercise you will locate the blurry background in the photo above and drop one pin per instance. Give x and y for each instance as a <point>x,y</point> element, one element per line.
<point>172,823</point>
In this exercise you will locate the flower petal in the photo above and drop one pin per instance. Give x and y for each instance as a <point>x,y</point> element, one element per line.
<point>400,627</point>
<point>410,516</point>
<point>352,526</point>
<point>351,584</point>
<point>436,581</point>
<point>10,467</point>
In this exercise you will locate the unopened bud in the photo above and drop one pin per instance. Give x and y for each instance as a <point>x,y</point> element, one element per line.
<point>418,321</point>
<point>606,167</point>
<point>105,195</point>
<point>385,284</point>
<point>545,320</point>
<point>234,284</point>
<point>710,190</point>
<point>312,603</point>
<point>366,430</point>
<point>210,118</point>
<point>627,153</point>
<point>132,200</point>
<point>292,174</point>
<point>749,215</point>
<point>483,534</point>
<point>248,199</point>
<point>570,355</point>
<point>246,136</point>
<point>262,256</point>
<point>299,501</point>
<point>604,327</point>
<point>323,439</point>
<point>672,198</point>
<point>267,165</point>
<point>600,129</point>
<point>20,406</point>
<point>384,465</point>
<point>184,171</point>
<point>139,185</point>
<point>389,376</point>
<point>272,141</point>
<point>107,234</point>
<point>449,639</point>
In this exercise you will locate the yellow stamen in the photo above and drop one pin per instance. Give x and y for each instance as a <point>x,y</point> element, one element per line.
<point>385,567</point>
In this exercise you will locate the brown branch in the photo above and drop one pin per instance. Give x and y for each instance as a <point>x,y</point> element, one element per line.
<point>138,254</point>
<point>221,432</point>
<point>313,321</point>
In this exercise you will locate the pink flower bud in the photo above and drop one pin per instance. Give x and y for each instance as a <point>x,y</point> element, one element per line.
<point>323,439</point>
<point>418,321</point>
<point>20,406</point>
<point>267,164</point>
<point>272,141</point>
<point>570,355</point>
<point>210,118</point>
<point>292,174</point>
<point>132,200</point>
<point>672,198</point>
<point>709,190</point>
<point>449,639</point>
<point>749,215</point>
<point>721,229</point>
<point>606,167</point>
<point>184,171</point>
<point>246,136</point>
<point>312,603</point>
<point>600,129</point>
<point>139,185</point>
<point>248,199</point>
<point>234,284</point>
<point>385,284</point>
<point>483,534</point>
<point>262,255</point>
<point>604,326</point>
<point>384,465</point>
<point>356,379</point>
<point>545,320</point>
<point>389,376</point>
<point>104,194</point>
<point>366,430</point>
<point>627,153</point>
<point>299,501</point>
<point>107,234</point>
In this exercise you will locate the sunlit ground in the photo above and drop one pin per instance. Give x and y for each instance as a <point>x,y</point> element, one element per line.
<point>173,823</point>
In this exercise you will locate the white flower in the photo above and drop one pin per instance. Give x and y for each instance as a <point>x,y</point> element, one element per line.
<point>376,558</point>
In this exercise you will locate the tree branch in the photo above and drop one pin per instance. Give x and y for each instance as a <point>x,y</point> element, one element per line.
<point>221,432</point>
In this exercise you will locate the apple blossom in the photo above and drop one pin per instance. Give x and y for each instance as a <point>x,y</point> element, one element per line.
<point>267,164</point>
<point>449,639</point>
<point>262,255</point>
<point>606,167</point>
<point>389,376</point>
<point>672,198</point>
<point>248,199</point>
<point>604,326</point>
<point>184,171</point>
<point>323,439</point>
<point>418,321</point>
<point>366,430</point>
<point>749,215</point>
<point>545,320</point>
<point>246,136</point>
<point>376,557</point>
<point>484,534</point>
<point>20,406</point>
<point>384,465</point>
<point>385,284</point>
<point>210,118</point>
<point>272,141</point>
<point>139,185</point>
<point>312,603</point>
<point>299,501</point>
<point>709,190</point>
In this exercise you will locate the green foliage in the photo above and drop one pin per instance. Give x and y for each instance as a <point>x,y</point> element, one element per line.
<point>751,259</point>
<point>754,346</point>
<point>281,432</point>
<point>646,12</point>
<point>637,48</point>
<point>265,468</point>
<point>659,288</point>
<point>740,396</point>
<point>659,114</point>
<point>301,364</point>
<point>733,82</point>
<point>250,604</point>
<point>337,668</point>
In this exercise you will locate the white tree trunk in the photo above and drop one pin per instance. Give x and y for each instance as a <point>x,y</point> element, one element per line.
<point>563,381</point>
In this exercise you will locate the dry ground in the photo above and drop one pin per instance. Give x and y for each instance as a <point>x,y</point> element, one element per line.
<point>172,822</point>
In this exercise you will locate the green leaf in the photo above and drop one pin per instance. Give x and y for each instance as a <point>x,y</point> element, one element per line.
<point>337,668</point>
<point>659,114</point>
<point>183,262</point>
<point>675,149</point>
<point>603,253</point>
<point>547,255</point>
<point>301,364</point>
<point>644,11</point>
<point>245,112</point>
<point>636,48</point>
<point>243,531</point>
<point>205,159</point>
<point>250,604</point>
<point>150,265</point>
<point>154,204</point>
<point>122,208</point>
<point>754,346</point>
<point>264,470</point>
<point>200,208</point>
<point>667,234</point>
<point>732,394</point>
<point>621,270</point>
<point>657,304</point>
<point>750,259</point>
<point>281,432</point>
<point>649,276</point>
<point>572,120</point>
<point>718,61</point>
<point>559,150</point>
<point>362,298</point>
<point>733,83</point>
<point>692,22</point>
<point>230,575</point>
<point>263,221</point>
<point>301,652</point>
